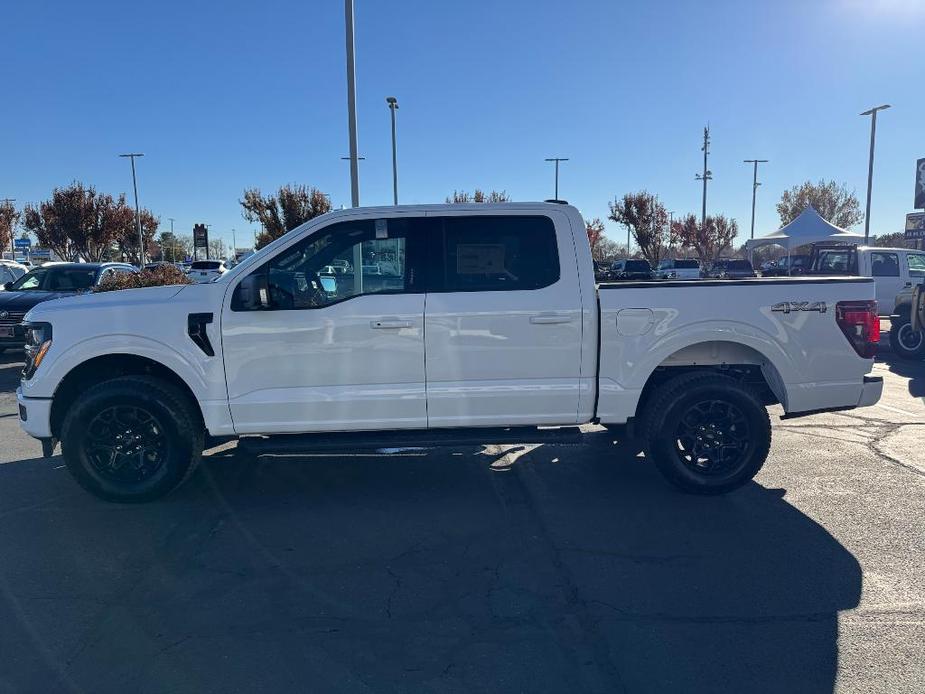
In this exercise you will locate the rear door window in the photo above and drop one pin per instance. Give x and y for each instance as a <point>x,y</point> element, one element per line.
<point>884,264</point>
<point>503,253</point>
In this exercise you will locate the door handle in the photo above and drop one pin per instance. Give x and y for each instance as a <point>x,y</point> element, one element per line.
<point>908,284</point>
<point>390,323</point>
<point>550,318</point>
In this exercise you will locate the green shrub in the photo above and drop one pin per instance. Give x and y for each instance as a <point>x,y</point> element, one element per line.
<point>160,276</point>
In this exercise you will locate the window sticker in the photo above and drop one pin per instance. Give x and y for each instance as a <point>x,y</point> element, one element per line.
<point>382,228</point>
<point>479,258</point>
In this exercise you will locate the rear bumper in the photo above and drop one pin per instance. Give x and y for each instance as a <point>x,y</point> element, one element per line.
<point>871,391</point>
<point>34,415</point>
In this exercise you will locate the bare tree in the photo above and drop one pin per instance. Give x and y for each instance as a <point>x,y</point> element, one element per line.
<point>291,206</point>
<point>831,200</point>
<point>460,196</point>
<point>647,219</point>
<point>9,217</point>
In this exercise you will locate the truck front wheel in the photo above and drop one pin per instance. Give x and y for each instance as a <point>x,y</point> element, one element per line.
<point>706,433</point>
<point>906,342</point>
<point>131,439</point>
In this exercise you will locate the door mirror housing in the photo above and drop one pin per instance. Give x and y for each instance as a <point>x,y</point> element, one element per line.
<point>252,294</point>
<point>7,286</point>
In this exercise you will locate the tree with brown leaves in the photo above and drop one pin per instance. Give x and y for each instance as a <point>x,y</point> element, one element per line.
<point>709,240</point>
<point>291,206</point>
<point>647,220</point>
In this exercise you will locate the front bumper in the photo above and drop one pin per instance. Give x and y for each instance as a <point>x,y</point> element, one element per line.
<point>34,415</point>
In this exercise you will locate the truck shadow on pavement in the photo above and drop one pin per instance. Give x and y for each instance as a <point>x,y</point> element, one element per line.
<point>907,368</point>
<point>573,569</point>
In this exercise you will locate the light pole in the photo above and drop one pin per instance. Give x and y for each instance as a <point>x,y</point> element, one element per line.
<point>870,164</point>
<point>393,107</point>
<point>141,240</point>
<point>557,160</point>
<point>173,242</point>
<point>706,176</point>
<point>352,106</point>
<point>755,185</point>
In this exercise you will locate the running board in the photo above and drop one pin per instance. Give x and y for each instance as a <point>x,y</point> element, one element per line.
<point>426,438</point>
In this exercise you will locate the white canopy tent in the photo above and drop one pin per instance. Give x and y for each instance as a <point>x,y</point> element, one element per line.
<point>808,227</point>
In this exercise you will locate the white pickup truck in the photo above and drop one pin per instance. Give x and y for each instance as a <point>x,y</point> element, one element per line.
<point>474,323</point>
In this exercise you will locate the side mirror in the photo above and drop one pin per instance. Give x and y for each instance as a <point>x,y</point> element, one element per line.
<point>252,294</point>
<point>7,286</point>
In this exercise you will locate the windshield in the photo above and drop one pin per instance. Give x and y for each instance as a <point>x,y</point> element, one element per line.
<point>56,279</point>
<point>687,264</point>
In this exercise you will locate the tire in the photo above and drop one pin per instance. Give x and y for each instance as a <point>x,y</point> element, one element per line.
<point>158,418</point>
<point>706,433</point>
<point>903,342</point>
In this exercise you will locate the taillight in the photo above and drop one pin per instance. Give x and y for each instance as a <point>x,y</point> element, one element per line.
<point>860,323</point>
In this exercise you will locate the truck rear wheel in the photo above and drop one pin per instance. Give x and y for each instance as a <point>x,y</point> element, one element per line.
<point>906,342</point>
<point>131,439</point>
<point>706,433</point>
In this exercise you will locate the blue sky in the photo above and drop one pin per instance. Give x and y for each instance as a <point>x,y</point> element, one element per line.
<point>223,96</point>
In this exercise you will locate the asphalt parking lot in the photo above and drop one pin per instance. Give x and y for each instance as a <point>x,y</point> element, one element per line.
<point>555,569</point>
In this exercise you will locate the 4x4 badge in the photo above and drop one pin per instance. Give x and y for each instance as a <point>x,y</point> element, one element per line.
<point>788,306</point>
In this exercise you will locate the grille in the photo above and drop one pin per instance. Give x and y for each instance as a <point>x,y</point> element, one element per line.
<point>14,318</point>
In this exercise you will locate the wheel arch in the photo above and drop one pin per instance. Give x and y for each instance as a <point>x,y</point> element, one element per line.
<point>107,366</point>
<point>741,361</point>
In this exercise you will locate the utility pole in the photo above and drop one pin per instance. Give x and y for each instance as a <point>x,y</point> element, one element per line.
<point>352,106</point>
<point>393,107</point>
<point>755,185</point>
<point>173,242</point>
<point>557,160</point>
<point>234,245</point>
<point>4,202</point>
<point>706,176</point>
<point>870,165</point>
<point>141,240</point>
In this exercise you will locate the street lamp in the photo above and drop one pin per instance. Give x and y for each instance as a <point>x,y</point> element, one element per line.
<point>141,240</point>
<point>870,164</point>
<point>352,106</point>
<point>557,160</point>
<point>755,185</point>
<point>393,107</point>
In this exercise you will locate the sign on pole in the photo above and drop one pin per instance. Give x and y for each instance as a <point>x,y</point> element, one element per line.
<point>915,225</point>
<point>200,239</point>
<point>919,185</point>
<point>22,243</point>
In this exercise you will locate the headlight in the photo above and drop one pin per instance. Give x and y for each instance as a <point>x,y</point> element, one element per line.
<point>38,341</point>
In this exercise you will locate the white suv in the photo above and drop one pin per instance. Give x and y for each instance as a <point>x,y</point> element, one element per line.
<point>206,270</point>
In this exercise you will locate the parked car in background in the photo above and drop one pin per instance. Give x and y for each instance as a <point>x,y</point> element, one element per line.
<point>892,269</point>
<point>499,332</point>
<point>10,271</point>
<point>788,266</point>
<point>730,269</point>
<point>51,281</point>
<point>206,270</point>
<point>678,269</point>
<point>631,269</point>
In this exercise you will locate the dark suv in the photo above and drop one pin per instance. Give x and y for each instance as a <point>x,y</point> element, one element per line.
<point>44,283</point>
<point>631,269</point>
<point>731,268</point>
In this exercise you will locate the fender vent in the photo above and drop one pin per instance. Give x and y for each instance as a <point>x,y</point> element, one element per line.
<point>196,329</point>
